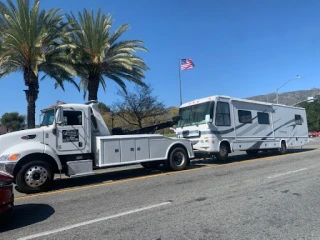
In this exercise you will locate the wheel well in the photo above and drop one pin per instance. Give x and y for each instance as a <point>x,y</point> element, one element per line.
<point>177,145</point>
<point>228,145</point>
<point>35,156</point>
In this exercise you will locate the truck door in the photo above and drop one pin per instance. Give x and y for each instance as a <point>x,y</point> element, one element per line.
<point>71,133</point>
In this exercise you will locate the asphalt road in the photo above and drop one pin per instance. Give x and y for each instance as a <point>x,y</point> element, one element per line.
<point>269,197</point>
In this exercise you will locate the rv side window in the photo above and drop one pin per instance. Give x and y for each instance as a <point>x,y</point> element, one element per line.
<point>263,118</point>
<point>223,114</point>
<point>298,119</point>
<point>244,116</point>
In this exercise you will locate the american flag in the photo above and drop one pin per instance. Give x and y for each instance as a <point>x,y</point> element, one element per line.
<point>186,64</point>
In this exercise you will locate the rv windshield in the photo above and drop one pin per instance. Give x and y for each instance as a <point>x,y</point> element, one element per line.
<point>48,118</point>
<point>195,114</point>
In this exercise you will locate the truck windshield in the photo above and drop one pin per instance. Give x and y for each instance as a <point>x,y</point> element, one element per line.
<point>195,114</point>
<point>48,118</point>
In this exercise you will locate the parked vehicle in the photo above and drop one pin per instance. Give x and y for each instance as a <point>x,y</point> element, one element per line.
<point>312,134</point>
<point>218,125</point>
<point>73,139</point>
<point>6,197</point>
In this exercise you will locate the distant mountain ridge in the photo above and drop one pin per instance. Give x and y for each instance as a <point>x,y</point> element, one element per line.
<point>287,98</point>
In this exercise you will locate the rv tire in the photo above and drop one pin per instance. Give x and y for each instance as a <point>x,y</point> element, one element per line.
<point>223,152</point>
<point>283,148</point>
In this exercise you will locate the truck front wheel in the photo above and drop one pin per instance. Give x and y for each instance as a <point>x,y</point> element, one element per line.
<point>35,176</point>
<point>178,159</point>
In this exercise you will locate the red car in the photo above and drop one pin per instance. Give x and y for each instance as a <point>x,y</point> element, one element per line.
<point>6,197</point>
<point>316,133</point>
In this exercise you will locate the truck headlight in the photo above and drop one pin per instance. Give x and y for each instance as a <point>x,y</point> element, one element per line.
<point>11,157</point>
<point>4,157</point>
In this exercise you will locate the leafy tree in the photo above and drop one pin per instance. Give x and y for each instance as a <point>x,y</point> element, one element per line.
<point>139,108</point>
<point>103,108</point>
<point>31,43</point>
<point>13,121</point>
<point>312,112</point>
<point>99,54</point>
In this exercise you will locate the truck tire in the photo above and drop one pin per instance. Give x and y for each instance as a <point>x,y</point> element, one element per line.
<point>177,160</point>
<point>283,148</point>
<point>150,165</point>
<point>35,176</point>
<point>223,152</point>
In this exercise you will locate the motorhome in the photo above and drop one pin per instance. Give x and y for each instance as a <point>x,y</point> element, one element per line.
<point>218,125</point>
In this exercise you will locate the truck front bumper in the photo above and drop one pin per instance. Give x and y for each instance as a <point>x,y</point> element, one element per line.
<point>7,167</point>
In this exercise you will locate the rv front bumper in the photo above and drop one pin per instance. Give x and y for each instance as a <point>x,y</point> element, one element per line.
<point>7,167</point>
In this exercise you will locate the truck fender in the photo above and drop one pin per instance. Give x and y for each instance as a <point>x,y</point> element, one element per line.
<point>28,148</point>
<point>180,143</point>
<point>52,153</point>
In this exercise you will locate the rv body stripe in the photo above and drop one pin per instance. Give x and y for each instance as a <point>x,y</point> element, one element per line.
<point>216,132</point>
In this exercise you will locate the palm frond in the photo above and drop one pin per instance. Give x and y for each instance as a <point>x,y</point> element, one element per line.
<point>32,39</point>
<point>98,54</point>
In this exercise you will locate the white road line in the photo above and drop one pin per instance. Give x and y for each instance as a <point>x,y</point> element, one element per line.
<point>286,173</point>
<point>93,221</point>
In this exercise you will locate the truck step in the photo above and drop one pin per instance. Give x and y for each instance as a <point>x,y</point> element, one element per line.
<point>79,168</point>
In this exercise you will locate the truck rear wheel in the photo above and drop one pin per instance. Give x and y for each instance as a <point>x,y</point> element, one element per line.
<point>178,159</point>
<point>35,176</point>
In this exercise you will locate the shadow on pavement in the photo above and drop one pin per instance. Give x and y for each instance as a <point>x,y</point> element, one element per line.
<point>243,156</point>
<point>131,172</point>
<point>27,214</point>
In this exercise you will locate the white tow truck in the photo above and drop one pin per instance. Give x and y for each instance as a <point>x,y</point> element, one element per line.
<point>73,139</point>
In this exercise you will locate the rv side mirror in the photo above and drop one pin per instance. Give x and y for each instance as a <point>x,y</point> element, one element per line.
<point>208,120</point>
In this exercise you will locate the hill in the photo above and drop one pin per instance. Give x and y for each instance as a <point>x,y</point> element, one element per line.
<point>287,98</point>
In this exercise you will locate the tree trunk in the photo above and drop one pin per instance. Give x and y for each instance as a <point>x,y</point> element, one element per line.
<point>93,86</point>
<point>31,81</point>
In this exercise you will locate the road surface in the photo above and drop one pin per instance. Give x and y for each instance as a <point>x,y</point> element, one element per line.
<point>269,197</point>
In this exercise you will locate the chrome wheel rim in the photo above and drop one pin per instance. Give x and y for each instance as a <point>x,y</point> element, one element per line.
<point>36,176</point>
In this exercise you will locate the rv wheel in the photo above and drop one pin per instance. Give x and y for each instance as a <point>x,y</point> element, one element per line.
<point>35,176</point>
<point>283,148</point>
<point>223,152</point>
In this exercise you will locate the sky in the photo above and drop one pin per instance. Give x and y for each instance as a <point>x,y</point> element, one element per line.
<point>240,48</point>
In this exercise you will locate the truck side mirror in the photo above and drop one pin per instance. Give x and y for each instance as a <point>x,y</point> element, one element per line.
<point>59,115</point>
<point>207,118</point>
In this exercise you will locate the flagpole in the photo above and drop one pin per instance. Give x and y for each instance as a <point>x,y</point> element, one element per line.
<point>180,81</point>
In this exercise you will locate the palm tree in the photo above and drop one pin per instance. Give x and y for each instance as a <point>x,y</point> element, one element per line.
<point>99,54</point>
<point>31,43</point>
